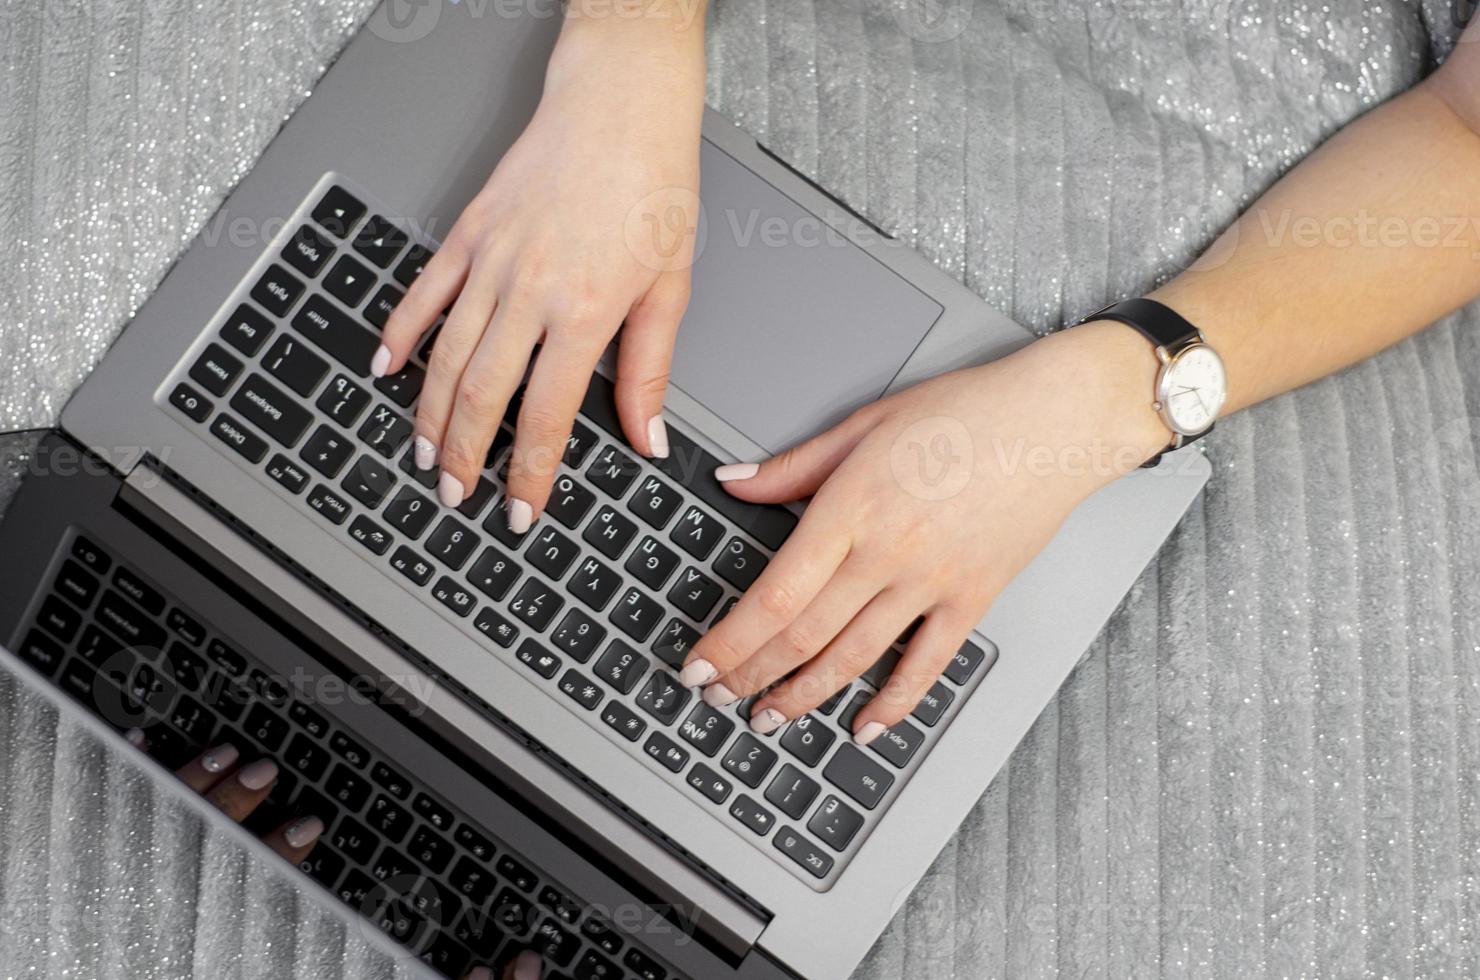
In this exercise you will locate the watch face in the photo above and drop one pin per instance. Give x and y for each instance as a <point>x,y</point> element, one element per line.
<point>1193,387</point>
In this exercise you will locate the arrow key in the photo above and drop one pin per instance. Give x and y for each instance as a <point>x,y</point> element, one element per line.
<point>348,281</point>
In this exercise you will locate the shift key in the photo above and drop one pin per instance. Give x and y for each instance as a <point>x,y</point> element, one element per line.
<point>341,337</point>
<point>269,408</point>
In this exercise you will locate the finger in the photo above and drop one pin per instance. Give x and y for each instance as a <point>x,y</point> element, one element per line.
<point>801,470</point>
<point>431,293</point>
<point>862,642</point>
<point>136,738</point>
<point>840,600</point>
<point>787,586</point>
<point>208,768</point>
<point>294,839</point>
<point>557,385</point>
<point>926,655</point>
<point>488,382</point>
<point>644,358</point>
<point>459,338</point>
<point>526,966</point>
<point>240,794</point>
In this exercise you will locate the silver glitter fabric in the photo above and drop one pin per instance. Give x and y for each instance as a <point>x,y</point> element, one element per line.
<point>1266,765</point>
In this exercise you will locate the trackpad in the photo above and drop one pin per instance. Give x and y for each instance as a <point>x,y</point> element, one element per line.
<point>790,326</point>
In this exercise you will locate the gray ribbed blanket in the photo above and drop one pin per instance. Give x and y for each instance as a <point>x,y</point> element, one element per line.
<point>1268,764</point>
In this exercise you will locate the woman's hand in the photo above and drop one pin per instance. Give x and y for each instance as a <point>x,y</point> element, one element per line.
<point>926,503</point>
<point>587,221</point>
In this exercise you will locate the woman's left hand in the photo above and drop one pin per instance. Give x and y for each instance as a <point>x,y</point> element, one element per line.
<point>925,504</point>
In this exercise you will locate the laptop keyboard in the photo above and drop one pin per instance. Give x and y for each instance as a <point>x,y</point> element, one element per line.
<point>428,876</point>
<point>601,600</point>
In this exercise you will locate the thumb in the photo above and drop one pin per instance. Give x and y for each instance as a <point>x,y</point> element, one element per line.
<point>644,356</point>
<point>801,470</point>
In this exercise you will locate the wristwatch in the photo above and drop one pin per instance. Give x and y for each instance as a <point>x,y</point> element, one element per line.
<point>1191,385</point>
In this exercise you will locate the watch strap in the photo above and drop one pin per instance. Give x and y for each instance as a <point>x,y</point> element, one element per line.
<point>1158,323</point>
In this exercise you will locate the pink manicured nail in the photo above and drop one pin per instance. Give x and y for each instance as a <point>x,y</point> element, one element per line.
<point>134,737</point>
<point>381,361</point>
<point>259,775</point>
<point>527,965</point>
<point>480,973</point>
<point>658,437</point>
<point>219,759</point>
<point>766,722</point>
<point>304,832</point>
<point>736,471</point>
<point>424,453</point>
<point>869,732</point>
<point>521,515</point>
<point>697,672</point>
<point>717,696</point>
<point>450,490</point>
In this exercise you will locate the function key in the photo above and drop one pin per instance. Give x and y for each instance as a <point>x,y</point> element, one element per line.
<point>371,535</point>
<point>380,241</point>
<point>246,330</point>
<point>643,965</point>
<point>327,451</point>
<point>454,596</point>
<point>835,823</point>
<point>612,472</point>
<point>90,555</point>
<point>609,533</point>
<point>432,812</point>
<point>669,753</point>
<point>864,780</point>
<point>517,874</point>
<point>349,750</point>
<point>697,533</point>
<point>803,852</point>
<point>235,435</point>
<point>292,363</point>
<point>288,473</point>
<point>271,410</point>
<point>704,779</point>
<point>473,842</point>
<point>622,720</point>
<point>349,281</point>
<point>412,565</point>
<point>391,781</point>
<point>655,502</point>
<point>694,594</point>
<point>195,405</point>
<point>277,290</point>
<point>577,687</point>
<point>185,627</point>
<point>968,660</point>
<point>215,370</point>
<point>307,251</point>
<point>740,564</point>
<point>381,306</point>
<point>328,505</point>
<point>337,211</point>
<point>496,627</point>
<point>226,658</point>
<point>308,719</point>
<point>752,815</point>
<point>412,266</point>
<point>538,659</point>
<point>343,400</point>
<point>403,386</point>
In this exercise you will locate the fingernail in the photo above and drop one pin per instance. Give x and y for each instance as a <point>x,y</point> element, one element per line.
<point>521,515</point>
<point>259,775</point>
<point>527,965</point>
<point>424,453</point>
<point>480,973</point>
<point>449,490</point>
<point>697,672</point>
<point>134,737</point>
<point>219,759</point>
<point>766,722</point>
<point>869,732</point>
<point>381,361</point>
<point>736,471</point>
<point>304,832</point>
<point>717,696</point>
<point>658,437</point>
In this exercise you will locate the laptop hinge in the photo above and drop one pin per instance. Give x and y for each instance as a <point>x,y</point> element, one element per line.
<point>724,919</point>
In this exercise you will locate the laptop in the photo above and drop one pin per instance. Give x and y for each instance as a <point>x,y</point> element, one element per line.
<point>491,725</point>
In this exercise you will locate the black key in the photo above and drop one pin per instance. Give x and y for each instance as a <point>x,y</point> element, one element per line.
<point>59,619</point>
<point>412,565</point>
<point>674,643</point>
<point>390,780</point>
<point>613,471</point>
<point>477,930</point>
<point>277,290</point>
<point>552,552</point>
<point>412,266</point>
<point>308,719</point>
<point>187,628</point>
<point>704,779</point>
<point>538,659</point>
<point>636,614</point>
<point>393,866</point>
<point>187,669</point>
<point>447,957</point>
<point>536,604</point>
<point>246,330</point>
<point>577,635</point>
<point>336,334</point>
<point>425,353</point>
<point>385,431</point>
<point>327,451</point>
<point>933,705</point>
<point>355,840</point>
<point>329,505</point>
<point>473,842</point>
<point>356,887</point>
<point>651,563</point>
<point>860,698</point>
<point>403,386</point>
<point>863,780</point>
<point>968,660</point>
<point>348,788</point>
<point>343,400</point>
<point>569,501</point>
<point>517,874</point>
<point>349,750</point>
<point>663,697</point>
<point>576,686</point>
<point>307,251</point>
<point>387,817</point>
<point>595,928</point>
<point>452,543</point>
<point>348,281</point>
<point>323,866</point>
<point>694,594</point>
<point>431,850</point>
<point>379,241</point>
<point>98,648</point>
<point>288,473</point>
<point>215,369</point>
<point>697,533</point>
<point>806,854</point>
<point>594,583</point>
<point>197,407</point>
<point>706,729</point>
<point>231,700</point>
<point>497,524</point>
<point>609,532</point>
<point>272,410</point>
<point>427,478</point>
<point>594,966</point>
<point>835,823</point>
<point>409,512</point>
<point>831,704</point>
<point>748,760</point>
<point>808,739</point>
<point>621,666</point>
<point>655,502</point>
<point>226,658</point>
<point>127,622</point>
<point>90,555</point>
<point>266,727</point>
<point>473,504</point>
<point>471,879</point>
<point>621,719</point>
<point>493,573</point>
<point>740,564</point>
<point>898,743</point>
<point>554,943</point>
<point>578,446</point>
<point>337,211</point>
<point>452,595</point>
<point>496,627</point>
<point>791,791</point>
<point>503,439</point>
<point>291,362</point>
<point>138,591</point>
<point>669,753</point>
<point>368,482</point>
<point>42,652</point>
<point>381,306</point>
<point>305,757</point>
<point>432,812</point>
<point>752,815</point>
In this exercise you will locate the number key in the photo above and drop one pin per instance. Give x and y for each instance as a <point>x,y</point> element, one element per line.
<point>577,635</point>
<point>410,513</point>
<point>451,543</point>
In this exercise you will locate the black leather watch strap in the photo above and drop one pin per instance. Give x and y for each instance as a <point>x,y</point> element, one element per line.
<point>1160,324</point>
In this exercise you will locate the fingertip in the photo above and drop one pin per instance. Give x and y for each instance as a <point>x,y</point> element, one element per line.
<point>868,732</point>
<point>734,472</point>
<point>135,737</point>
<point>657,436</point>
<point>527,965</point>
<point>381,362</point>
<point>303,832</point>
